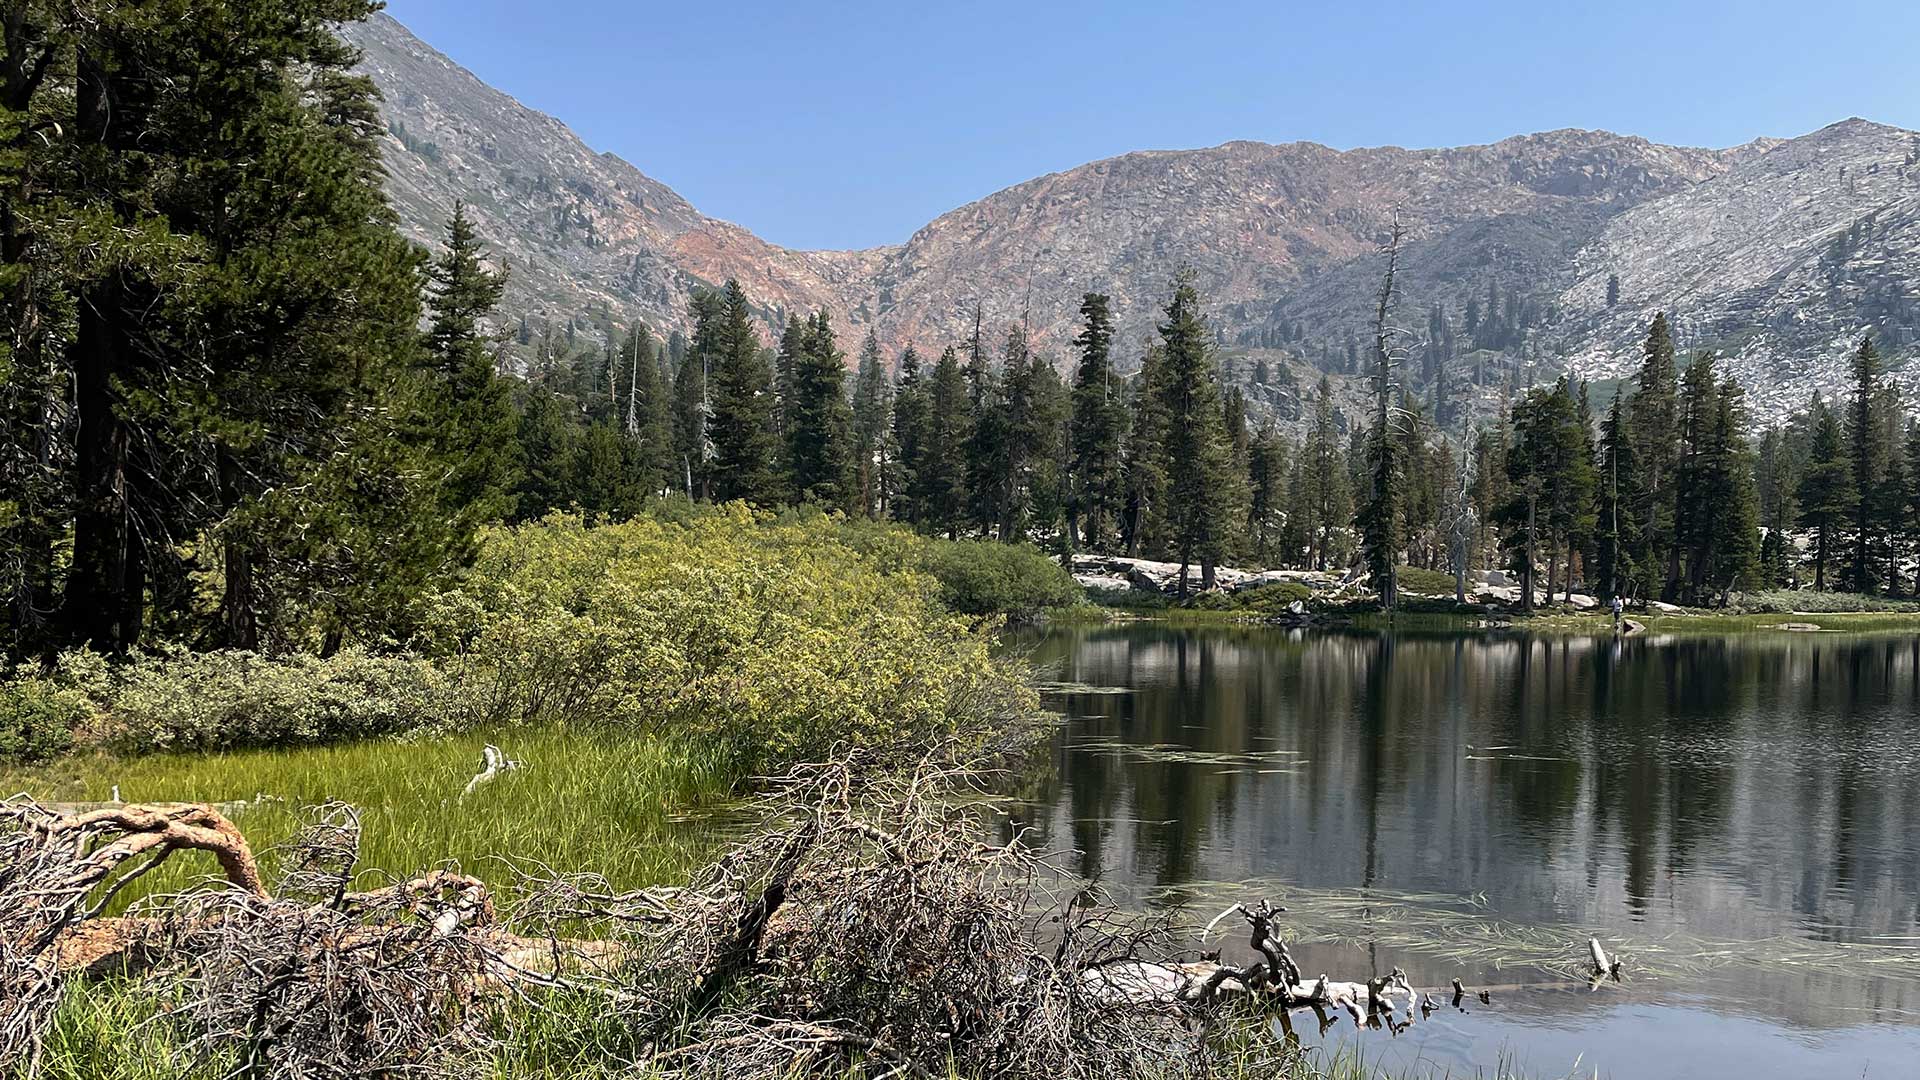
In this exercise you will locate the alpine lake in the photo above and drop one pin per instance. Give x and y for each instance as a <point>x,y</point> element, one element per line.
<point>1735,816</point>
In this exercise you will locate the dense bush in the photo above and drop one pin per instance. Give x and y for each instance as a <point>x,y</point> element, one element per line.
<point>776,638</point>
<point>37,719</point>
<point>1787,601</point>
<point>1271,599</point>
<point>981,578</point>
<point>1129,599</point>
<point>179,700</point>
<point>1416,579</point>
<point>977,577</point>
<point>770,640</point>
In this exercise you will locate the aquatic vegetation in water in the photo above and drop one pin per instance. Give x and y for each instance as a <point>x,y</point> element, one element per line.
<point>1462,930</point>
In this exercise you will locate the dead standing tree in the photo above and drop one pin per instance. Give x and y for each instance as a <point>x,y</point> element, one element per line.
<point>1382,519</point>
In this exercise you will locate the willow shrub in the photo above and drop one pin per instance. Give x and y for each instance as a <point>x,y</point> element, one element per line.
<point>772,638</point>
<point>176,700</point>
<point>976,577</point>
<point>37,719</point>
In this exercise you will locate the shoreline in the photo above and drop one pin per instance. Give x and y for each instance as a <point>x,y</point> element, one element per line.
<point>1686,621</point>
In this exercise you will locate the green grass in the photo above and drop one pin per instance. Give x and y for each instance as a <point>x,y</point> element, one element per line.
<point>638,809</point>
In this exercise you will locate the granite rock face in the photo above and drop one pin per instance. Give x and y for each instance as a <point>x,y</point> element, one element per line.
<point>1779,253</point>
<point>1781,264</point>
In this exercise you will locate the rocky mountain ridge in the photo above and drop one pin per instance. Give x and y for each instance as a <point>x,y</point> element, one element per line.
<point>1780,252</point>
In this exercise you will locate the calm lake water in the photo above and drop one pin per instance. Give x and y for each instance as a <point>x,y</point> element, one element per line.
<point>1738,816</point>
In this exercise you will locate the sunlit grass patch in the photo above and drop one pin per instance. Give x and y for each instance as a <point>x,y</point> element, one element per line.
<point>637,808</point>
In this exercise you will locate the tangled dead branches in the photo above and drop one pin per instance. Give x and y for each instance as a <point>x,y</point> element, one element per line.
<point>864,922</point>
<point>320,981</point>
<point>53,863</point>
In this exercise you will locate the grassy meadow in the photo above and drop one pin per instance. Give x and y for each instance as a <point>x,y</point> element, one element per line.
<point>636,809</point>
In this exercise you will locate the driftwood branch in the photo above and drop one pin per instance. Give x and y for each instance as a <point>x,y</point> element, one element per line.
<point>493,762</point>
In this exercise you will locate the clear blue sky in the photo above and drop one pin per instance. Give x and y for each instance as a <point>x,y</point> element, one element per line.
<point>851,124</point>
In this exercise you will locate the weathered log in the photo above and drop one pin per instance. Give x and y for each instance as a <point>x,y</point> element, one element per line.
<point>1603,965</point>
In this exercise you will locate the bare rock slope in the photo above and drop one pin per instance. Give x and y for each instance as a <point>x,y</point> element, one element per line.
<point>1779,252</point>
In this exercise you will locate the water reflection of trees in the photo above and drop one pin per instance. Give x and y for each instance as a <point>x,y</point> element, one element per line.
<point>1739,788</point>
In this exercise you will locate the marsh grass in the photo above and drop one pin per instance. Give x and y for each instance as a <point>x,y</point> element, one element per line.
<point>638,809</point>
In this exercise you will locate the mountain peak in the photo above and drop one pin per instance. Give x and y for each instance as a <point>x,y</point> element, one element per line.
<point>1776,251</point>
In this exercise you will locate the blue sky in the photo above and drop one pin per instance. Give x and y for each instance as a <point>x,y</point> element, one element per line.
<point>851,124</point>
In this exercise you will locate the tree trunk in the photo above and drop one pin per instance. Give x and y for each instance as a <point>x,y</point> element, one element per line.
<point>1553,565</point>
<point>238,603</point>
<point>1526,555</point>
<point>106,564</point>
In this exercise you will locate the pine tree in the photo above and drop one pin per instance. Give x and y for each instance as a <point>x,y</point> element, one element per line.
<point>1528,465</point>
<point>468,411</point>
<point>786,362</point>
<point>1320,495</point>
<point>1891,494</point>
<point>1198,464</point>
<point>820,440</point>
<point>1826,493</point>
<point>1010,455</point>
<point>548,441</point>
<point>692,404</point>
<point>1774,484</point>
<point>912,412</point>
<point>210,304</point>
<point>647,414</point>
<point>872,421</point>
<point>745,452</point>
<point>1382,519</point>
<point>1655,415</point>
<point>1618,559</point>
<point>941,480</point>
<point>1910,516</point>
<point>1716,515</point>
<point>1867,445</point>
<point>1049,454</point>
<point>1266,491</point>
<point>986,437</point>
<point>600,480</point>
<point>1142,526</point>
<point>1098,479</point>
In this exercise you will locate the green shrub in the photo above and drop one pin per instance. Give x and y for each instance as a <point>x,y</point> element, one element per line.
<point>1273,598</point>
<point>979,577</point>
<point>1130,599</point>
<point>37,719</point>
<point>774,639</point>
<point>1417,579</point>
<point>1787,601</point>
<point>179,701</point>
